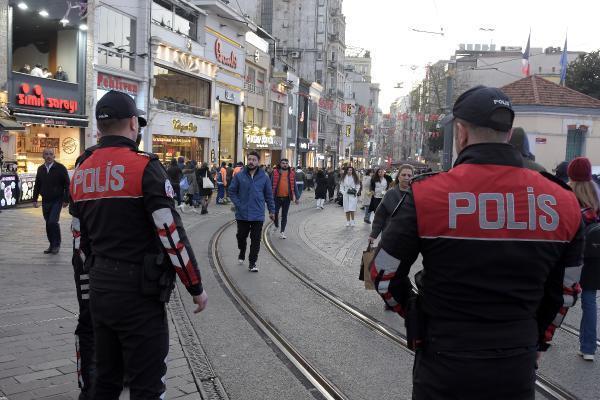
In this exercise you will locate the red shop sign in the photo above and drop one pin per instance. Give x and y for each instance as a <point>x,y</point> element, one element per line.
<point>230,61</point>
<point>109,82</point>
<point>37,99</point>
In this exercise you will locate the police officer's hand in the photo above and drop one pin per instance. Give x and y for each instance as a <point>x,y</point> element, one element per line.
<point>201,301</point>
<point>371,240</point>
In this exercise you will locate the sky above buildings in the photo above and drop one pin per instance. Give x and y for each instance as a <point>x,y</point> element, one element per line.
<point>400,55</point>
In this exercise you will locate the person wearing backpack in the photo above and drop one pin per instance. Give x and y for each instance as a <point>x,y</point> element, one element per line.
<point>580,180</point>
<point>193,191</point>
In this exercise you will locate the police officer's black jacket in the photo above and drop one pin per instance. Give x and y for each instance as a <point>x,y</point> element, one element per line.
<point>122,204</point>
<point>501,245</point>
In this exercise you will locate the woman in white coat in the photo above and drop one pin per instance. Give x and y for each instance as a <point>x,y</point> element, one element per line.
<point>349,186</point>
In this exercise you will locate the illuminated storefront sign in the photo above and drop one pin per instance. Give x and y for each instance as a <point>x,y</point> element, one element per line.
<point>261,138</point>
<point>36,98</point>
<point>181,127</point>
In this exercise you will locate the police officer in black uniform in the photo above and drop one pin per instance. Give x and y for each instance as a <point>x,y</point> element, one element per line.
<point>84,332</point>
<point>131,242</point>
<point>501,249</point>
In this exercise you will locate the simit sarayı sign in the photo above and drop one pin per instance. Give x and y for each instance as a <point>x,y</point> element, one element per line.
<point>34,97</point>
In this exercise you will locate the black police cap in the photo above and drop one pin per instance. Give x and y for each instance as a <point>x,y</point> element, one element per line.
<point>478,106</point>
<point>118,105</point>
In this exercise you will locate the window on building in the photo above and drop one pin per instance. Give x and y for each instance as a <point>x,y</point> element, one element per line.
<point>292,121</point>
<point>175,91</point>
<point>175,18</point>
<point>258,117</point>
<point>42,44</point>
<point>116,40</point>
<point>277,117</point>
<point>575,141</point>
<point>249,116</point>
<point>260,79</point>
<point>250,84</point>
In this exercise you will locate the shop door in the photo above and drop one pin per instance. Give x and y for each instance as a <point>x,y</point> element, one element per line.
<point>575,139</point>
<point>227,133</point>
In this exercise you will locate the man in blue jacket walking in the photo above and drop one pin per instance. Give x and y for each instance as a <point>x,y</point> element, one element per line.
<point>249,191</point>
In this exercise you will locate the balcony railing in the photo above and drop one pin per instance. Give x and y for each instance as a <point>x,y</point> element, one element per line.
<point>116,58</point>
<point>183,108</point>
<point>253,88</point>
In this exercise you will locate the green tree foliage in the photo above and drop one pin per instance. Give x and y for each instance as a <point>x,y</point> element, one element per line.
<point>583,74</point>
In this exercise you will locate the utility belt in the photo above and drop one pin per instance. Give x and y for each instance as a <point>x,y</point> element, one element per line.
<point>155,277</point>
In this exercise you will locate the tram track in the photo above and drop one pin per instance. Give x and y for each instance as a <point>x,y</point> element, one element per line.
<point>544,385</point>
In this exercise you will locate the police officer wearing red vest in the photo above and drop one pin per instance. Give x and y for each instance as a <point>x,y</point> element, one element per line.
<point>133,241</point>
<point>501,248</point>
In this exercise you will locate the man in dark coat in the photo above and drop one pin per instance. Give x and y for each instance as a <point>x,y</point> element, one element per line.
<point>52,182</point>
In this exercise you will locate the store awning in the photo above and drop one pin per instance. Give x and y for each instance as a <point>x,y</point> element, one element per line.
<point>52,120</point>
<point>10,125</point>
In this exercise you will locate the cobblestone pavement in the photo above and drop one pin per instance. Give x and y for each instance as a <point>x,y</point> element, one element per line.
<point>38,313</point>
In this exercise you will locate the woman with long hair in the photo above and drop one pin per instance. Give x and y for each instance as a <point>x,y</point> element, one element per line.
<point>580,180</point>
<point>321,189</point>
<point>349,187</point>
<point>391,200</point>
<point>379,185</point>
<point>205,192</point>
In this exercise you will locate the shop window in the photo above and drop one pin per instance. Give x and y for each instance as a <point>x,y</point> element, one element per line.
<point>227,133</point>
<point>175,18</point>
<point>171,147</point>
<point>116,40</point>
<point>44,43</point>
<point>175,91</point>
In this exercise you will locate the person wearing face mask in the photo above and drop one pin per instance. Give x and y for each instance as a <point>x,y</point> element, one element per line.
<point>128,243</point>
<point>250,189</point>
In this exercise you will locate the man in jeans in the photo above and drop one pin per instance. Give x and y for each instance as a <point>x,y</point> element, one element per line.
<point>285,191</point>
<point>52,182</point>
<point>249,191</point>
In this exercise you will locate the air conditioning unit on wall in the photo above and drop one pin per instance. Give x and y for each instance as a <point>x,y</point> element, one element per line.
<point>294,54</point>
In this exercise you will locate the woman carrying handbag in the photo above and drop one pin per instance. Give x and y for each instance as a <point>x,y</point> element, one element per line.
<point>349,187</point>
<point>206,184</point>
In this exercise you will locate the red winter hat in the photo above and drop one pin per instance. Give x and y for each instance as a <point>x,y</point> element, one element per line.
<point>580,170</point>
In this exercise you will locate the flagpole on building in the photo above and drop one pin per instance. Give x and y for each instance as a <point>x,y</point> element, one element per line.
<point>564,62</point>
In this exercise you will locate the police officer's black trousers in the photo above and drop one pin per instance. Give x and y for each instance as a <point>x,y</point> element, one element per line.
<point>131,334</point>
<point>491,375</point>
<point>84,334</point>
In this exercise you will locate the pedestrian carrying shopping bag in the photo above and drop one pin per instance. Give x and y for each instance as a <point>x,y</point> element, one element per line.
<point>365,273</point>
<point>184,184</point>
<point>207,183</point>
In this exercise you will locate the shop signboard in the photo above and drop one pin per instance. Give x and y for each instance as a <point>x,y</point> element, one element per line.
<point>303,145</point>
<point>110,82</point>
<point>261,138</point>
<point>9,190</point>
<point>225,52</point>
<point>45,96</point>
<point>26,183</point>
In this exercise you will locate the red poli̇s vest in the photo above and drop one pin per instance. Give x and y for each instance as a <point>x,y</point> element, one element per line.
<point>98,177</point>
<point>470,202</point>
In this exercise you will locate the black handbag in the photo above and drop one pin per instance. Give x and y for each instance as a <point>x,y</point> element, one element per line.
<point>351,191</point>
